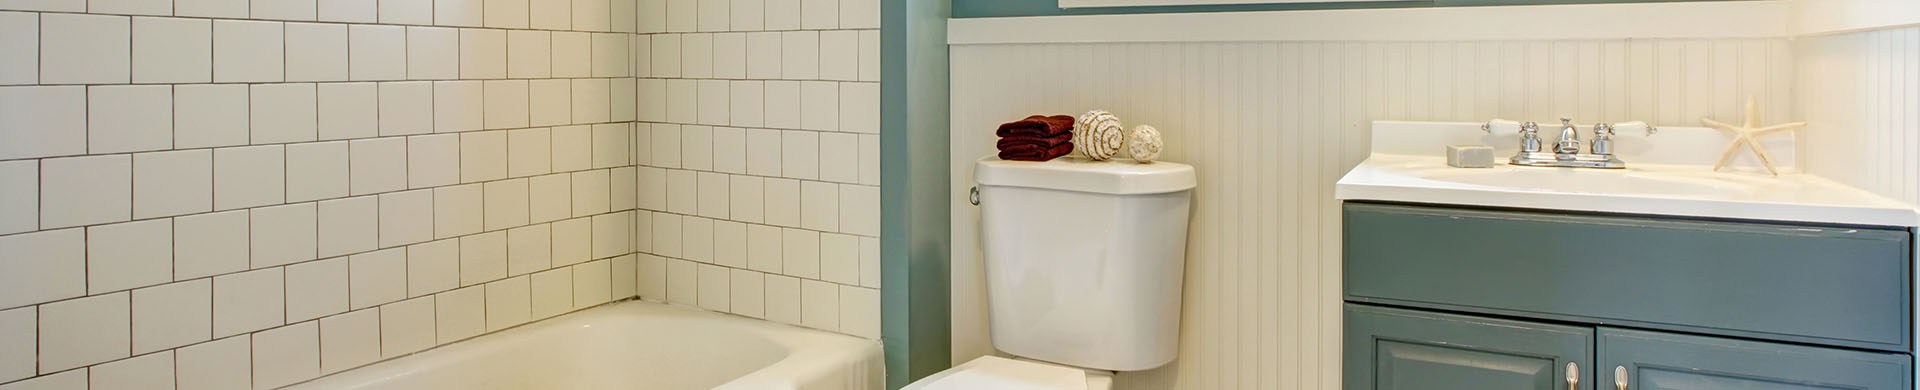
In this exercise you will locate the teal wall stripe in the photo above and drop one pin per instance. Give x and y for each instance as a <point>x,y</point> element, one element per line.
<point>1002,8</point>
<point>914,243</point>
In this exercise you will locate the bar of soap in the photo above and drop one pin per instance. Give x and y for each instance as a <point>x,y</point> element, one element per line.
<point>1470,156</point>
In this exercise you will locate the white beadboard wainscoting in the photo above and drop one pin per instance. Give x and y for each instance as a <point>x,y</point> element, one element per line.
<point>1860,95</point>
<point>1270,126</point>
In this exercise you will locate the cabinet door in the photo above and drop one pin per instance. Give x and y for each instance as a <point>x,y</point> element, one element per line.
<point>1665,361</point>
<point>1396,349</point>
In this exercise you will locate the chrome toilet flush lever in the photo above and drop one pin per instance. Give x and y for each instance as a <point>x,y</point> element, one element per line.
<point>1566,150</point>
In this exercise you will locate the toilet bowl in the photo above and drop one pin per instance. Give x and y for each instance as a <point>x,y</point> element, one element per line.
<point>998,373</point>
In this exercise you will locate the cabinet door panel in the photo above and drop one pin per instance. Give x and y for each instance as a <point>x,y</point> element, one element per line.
<point>1664,361</point>
<point>1395,349</point>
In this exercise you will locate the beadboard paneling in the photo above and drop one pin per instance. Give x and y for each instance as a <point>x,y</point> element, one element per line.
<point>1858,95</point>
<point>1270,126</point>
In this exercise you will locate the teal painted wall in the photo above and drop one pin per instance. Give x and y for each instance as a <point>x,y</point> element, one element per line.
<point>1000,8</point>
<point>914,245</point>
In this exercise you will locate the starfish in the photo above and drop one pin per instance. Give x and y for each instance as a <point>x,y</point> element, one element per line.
<point>1745,134</point>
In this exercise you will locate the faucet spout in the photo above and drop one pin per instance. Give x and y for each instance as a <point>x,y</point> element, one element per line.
<point>1569,144</point>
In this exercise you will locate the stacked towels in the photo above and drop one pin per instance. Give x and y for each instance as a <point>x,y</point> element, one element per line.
<point>1037,138</point>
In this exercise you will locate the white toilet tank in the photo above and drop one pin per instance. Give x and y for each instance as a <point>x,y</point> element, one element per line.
<point>1084,259</point>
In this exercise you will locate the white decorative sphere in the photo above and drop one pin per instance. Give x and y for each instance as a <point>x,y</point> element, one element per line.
<point>1098,135</point>
<point>1144,143</point>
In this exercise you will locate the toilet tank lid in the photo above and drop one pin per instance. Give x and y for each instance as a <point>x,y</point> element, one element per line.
<point>1085,175</point>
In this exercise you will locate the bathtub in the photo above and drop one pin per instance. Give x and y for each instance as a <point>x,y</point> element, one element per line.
<point>632,345</point>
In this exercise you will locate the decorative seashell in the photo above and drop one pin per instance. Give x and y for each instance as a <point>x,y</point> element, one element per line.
<point>1098,135</point>
<point>1144,143</point>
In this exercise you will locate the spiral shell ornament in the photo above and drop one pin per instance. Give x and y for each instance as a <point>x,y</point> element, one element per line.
<point>1098,135</point>
<point>1144,144</point>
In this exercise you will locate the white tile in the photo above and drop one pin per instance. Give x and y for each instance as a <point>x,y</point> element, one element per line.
<point>210,244</point>
<point>763,152</point>
<point>433,267</point>
<point>819,14</point>
<point>860,107</point>
<point>665,142</point>
<point>432,53</point>
<point>783,104</point>
<point>683,279</point>
<point>840,258</point>
<point>247,51</point>
<point>85,49</point>
<point>64,380</point>
<point>663,55</point>
<point>763,56</point>
<point>248,177</point>
<point>458,106</point>
<point>746,197</point>
<point>373,165</point>
<point>592,100</point>
<point>550,197</point>
<point>457,210</point>
<point>624,15</point>
<point>129,118</point>
<point>715,294</point>
<point>483,258</point>
<point>800,154</point>
<point>406,108</point>
<point>714,200</point>
<point>729,150</point>
<point>625,191</point>
<point>483,156</point>
<point>172,315</point>
<point>572,54</point>
<point>283,9</point>
<point>800,54</point>
<point>624,277</point>
<point>653,188</point>
<point>509,303</point>
<point>592,283</point>
<point>652,274</point>
<point>819,105</point>
<point>316,170</point>
<point>840,157</point>
<point>172,50</point>
<point>860,311</point>
<point>506,204</point>
<point>284,234</point>
<point>505,13</point>
<point>529,151</point>
<point>85,190</point>
<point>800,253</point>
<point>682,15</point>
<point>820,206</point>
<point>376,278</point>
<point>132,7</point>
<point>683,103</point>
<point>550,14</point>
<point>84,331</point>
<point>696,147</point>
<point>683,192</point>
<point>592,15</point>
<point>406,217</point>
<point>42,121</point>
<point>20,196</point>
<point>172,183</point>
<point>783,202</point>
<point>747,102</point>
<point>224,364</point>
<point>315,51</point>
<point>591,190</point>
<point>483,53</point>
<point>748,293</point>
<point>210,115</point>
<point>349,110</point>
<point>819,305</point>
<point>714,15</point>
<point>869,54</point>
<point>353,11</point>
<point>612,235</point>
<point>529,249</point>
<point>870,159</point>
<point>56,268</point>
<point>406,11</point>
<point>286,355</point>
<point>552,292</point>
<point>466,13</point>
<point>139,372</point>
<point>748,15</point>
<point>643,231</point>
<point>783,296</point>
<point>860,210</point>
<point>610,55</point>
<point>667,237</point>
<point>433,160</point>
<point>839,54</point>
<point>550,102</point>
<point>406,326</point>
<point>284,113</point>
<point>349,340</point>
<point>248,301</point>
<point>506,104</point>
<point>572,241</point>
<point>460,314</point>
<point>715,102</point>
<point>350,225</point>
<point>316,289</point>
<point>696,55</point>
<point>610,145</point>
<point>729,244</point>
<point>529,53</point>
<point>128,255</point>
<point>870,262</point>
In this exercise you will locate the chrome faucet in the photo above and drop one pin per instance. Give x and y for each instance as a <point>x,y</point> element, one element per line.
<point>1566,150</point>
<point>1569,145</point>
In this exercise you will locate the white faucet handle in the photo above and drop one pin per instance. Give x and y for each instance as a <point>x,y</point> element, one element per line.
<point>1626,127</point>
<point>1501,126</point>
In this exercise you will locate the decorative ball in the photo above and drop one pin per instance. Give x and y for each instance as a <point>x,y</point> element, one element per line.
<point>1098,135</point>
<point>1144,143</point>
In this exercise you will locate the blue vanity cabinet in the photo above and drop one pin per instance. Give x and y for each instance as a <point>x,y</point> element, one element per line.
<point>1666,361</point>
<point>1396,349</point>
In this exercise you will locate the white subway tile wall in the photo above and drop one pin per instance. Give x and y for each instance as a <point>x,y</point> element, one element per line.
<point>238,194</point>
<point>758,159</point>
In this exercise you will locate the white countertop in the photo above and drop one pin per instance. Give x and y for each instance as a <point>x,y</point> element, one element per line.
<point>1665,180</point>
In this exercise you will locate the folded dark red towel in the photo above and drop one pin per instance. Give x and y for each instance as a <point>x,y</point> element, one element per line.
<point>1035,152</point>
<point>1044,142</point>
<point>1037,126</point>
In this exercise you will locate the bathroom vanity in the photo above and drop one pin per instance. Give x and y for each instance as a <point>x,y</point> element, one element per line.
<point>1665,275</point>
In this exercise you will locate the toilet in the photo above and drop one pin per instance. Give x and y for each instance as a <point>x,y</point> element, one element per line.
<point>1084,261</point>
